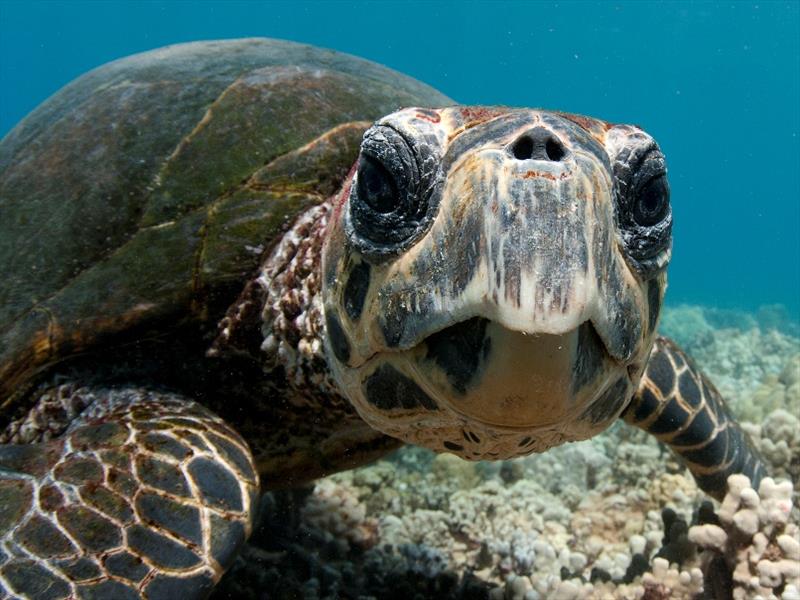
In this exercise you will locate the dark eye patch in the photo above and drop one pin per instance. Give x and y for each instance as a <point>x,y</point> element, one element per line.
<point>643,208</point>
<point>395,193</point>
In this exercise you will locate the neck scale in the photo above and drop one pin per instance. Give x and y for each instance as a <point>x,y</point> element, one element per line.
<point>279,320</point>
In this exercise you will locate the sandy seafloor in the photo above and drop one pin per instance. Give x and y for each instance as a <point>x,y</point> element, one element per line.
<point>585,520</point>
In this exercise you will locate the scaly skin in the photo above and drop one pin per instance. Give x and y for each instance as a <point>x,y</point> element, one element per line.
<point>147,494</point>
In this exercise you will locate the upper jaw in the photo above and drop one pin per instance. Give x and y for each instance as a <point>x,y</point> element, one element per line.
<point>407,317</point>
<point>510,242</point>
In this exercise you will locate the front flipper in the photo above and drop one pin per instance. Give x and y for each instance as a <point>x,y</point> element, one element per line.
<point>677,404</point>
<point>146,495</point>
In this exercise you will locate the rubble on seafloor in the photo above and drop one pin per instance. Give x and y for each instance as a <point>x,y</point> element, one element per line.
<point>616,516</point>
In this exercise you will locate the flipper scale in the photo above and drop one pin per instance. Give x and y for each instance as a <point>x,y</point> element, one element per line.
<point>678,405</point>
<point>146,494</point>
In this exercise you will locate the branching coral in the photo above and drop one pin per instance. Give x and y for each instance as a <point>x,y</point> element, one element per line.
<point>755,542</point>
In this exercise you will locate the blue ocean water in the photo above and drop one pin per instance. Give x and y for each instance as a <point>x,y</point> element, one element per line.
<point>717,84</point>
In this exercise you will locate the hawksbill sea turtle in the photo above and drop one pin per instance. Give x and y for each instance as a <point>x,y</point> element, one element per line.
<point>225,270</point>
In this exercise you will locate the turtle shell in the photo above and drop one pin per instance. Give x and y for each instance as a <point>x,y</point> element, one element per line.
<point>143,194</point>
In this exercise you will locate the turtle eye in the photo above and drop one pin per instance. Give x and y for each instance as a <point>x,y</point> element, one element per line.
<point>642,201</point>
<point>376,186</point>
<point>652,202</point>
<point>390,206</point>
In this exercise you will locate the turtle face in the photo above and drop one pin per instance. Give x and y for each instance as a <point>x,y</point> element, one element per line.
<point>492,277</point>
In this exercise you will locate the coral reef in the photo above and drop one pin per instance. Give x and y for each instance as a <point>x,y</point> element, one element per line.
<point>778,440</point>
<point>289,558</point>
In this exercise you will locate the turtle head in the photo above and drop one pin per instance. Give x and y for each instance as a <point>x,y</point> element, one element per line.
<point>492,277</point>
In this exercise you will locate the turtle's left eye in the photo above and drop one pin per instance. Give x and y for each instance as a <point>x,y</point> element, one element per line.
<point>652,202</point>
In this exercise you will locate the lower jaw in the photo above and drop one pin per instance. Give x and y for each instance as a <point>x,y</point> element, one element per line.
<point>520,382</point>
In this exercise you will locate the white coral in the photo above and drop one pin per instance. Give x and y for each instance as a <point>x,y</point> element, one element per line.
<point>756,540</point>
<point>679,584</point>
<point>335,508</point>
<point>778,440</point>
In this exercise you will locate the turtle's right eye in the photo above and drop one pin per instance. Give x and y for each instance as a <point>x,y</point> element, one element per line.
<point>389,203</point>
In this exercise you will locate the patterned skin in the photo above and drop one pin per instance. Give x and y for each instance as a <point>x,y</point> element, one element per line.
<point>528,201</point>
<point>145,494</point>
<point>483,281</point>
<point>682,409</point>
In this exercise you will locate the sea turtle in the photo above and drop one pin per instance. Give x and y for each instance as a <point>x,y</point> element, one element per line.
<point>221,275</point>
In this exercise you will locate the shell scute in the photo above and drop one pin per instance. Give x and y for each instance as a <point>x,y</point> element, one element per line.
<point>144,192</point>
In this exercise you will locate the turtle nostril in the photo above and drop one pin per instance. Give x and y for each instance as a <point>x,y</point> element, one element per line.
<point>538,144</point>
<point>523,148</point>
<point>554,150</point>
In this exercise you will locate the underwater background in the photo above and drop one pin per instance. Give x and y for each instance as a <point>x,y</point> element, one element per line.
<point>718,85</point>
